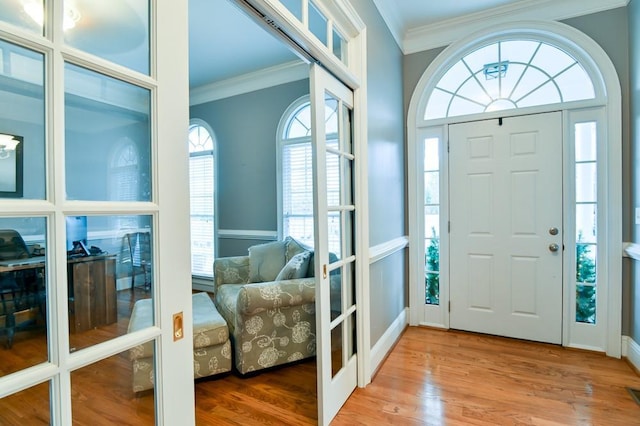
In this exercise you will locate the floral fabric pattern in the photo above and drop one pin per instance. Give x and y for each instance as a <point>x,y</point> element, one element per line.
<point>212,347</point>
<point>271,323</point>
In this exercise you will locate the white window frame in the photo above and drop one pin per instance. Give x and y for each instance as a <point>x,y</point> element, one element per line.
<point>288,115</point>
<point>607,105</point>
<point>203,279</point>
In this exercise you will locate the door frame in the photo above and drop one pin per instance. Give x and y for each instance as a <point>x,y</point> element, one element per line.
<point>605,77</point>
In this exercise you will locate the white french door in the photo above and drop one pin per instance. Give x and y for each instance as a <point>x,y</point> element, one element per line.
<point>506,239</point>
<point>98,96</point>
<point>335,260</point>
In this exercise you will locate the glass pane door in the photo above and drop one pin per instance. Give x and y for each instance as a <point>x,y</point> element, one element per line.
<point>332,111</point>
<point>91,223</point>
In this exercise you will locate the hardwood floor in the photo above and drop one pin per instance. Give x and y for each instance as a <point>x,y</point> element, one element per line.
<point>435,377</point>
<point>431,377</point>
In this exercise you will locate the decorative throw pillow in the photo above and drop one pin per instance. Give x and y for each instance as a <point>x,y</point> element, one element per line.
<point>293,247</point>
<point>296,268</point>
<point>266,261</point>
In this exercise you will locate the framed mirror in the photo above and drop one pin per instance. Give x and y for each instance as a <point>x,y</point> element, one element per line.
<point>10,166</point>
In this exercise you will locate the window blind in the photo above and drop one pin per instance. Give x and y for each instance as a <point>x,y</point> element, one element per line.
<point>201,181</point>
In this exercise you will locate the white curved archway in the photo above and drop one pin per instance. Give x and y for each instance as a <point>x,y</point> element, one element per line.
<point>605,106</point>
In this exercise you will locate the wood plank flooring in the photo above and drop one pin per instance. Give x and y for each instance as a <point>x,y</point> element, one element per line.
<point>435,377</point>
<point>432,377</point>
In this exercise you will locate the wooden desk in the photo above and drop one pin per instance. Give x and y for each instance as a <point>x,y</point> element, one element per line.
<point>92,292</point>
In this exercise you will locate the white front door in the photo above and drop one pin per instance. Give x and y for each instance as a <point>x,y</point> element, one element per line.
<point>334,213</point>
<point>506,227</point>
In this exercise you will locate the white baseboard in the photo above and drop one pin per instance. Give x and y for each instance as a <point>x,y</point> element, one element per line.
<point>384,345</point>
<point>631,351</point>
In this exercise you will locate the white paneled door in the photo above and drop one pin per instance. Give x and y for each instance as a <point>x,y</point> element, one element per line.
<point>335,260</point>
<point>506,227</point>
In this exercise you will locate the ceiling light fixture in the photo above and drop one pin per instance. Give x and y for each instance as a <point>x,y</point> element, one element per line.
<point>35,11</point>
<point>495,70</point>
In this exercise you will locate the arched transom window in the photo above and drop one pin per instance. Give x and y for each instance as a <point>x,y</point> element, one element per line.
<point>508,75</point>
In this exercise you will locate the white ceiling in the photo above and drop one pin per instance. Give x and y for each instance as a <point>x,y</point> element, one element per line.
<point>225,42</point>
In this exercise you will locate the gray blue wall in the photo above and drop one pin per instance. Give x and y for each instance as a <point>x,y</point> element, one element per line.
<point>245,128</point>
<point>633,292</point>
<point>387,172</point>
<point>610,29</point>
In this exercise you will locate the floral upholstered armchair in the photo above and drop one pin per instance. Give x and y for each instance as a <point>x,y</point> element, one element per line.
<point>268,301</point>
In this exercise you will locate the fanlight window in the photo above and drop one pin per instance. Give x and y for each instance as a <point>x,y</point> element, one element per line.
<point>508,75</point>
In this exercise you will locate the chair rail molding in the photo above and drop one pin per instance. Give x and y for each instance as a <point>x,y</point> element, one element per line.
<point>247,234</point>
<point>380,251</point>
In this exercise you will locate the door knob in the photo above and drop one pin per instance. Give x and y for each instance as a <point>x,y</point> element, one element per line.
<point>553,231</point>
<point>553,247</point>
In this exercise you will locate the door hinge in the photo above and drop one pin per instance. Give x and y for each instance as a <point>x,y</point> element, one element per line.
<point>449,226</point>
<point>449,305</point>
<point>447,146</point>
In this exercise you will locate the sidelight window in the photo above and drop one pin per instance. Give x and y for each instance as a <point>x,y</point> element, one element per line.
<point>432,220</point>
<point>586,221</point>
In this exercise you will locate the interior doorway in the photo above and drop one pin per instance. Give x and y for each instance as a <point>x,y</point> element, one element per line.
<point>506,235</point>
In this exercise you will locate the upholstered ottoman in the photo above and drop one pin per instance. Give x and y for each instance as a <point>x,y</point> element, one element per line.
<point>211,345</point>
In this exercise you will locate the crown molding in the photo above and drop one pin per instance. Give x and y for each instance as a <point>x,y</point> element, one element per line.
<point>446,32</point>
<point>392,18</point>
<point>250,82</point>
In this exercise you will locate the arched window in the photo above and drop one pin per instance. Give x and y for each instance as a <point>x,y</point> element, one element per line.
<point>124,172</point>
<point>202,185</point>
<point>295,201</point>
<point>506,75</point>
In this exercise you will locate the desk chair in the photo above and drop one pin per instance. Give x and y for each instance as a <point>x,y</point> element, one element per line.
<point>139,244</point>
<point>22,291</point>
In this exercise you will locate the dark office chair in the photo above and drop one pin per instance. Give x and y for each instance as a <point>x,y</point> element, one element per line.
<point>139,244</point>
<point>22,291</point>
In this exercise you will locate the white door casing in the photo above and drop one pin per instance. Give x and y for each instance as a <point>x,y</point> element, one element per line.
<point>336,334</point>
<point>506,226</point>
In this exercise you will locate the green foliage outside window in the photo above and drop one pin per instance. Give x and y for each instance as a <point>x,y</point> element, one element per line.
<point>432,269</point>
<point>585,294</point>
